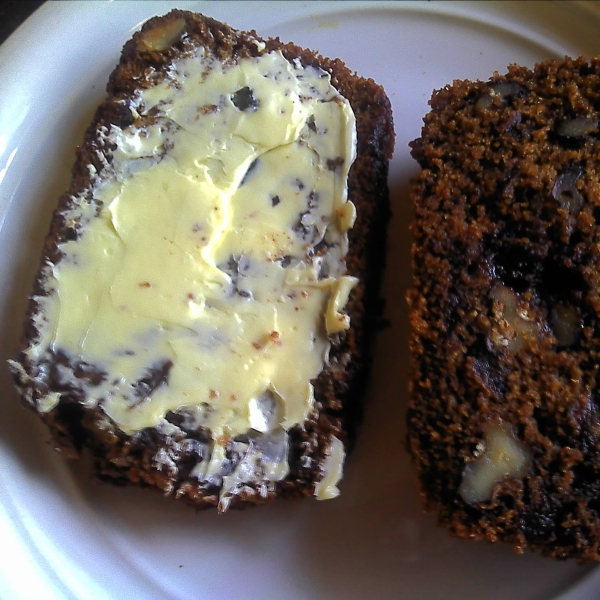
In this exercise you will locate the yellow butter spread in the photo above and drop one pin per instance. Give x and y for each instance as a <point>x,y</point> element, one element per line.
<point>326,488</point>
<point>213,274</point>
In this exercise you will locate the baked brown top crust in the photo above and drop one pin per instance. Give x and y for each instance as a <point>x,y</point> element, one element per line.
<point>505,305</point>
<point>122,458</point>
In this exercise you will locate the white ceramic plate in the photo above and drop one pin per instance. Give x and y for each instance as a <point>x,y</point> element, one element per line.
<point>64,537</point>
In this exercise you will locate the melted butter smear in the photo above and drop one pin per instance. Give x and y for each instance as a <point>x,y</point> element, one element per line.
<point>204,261</point>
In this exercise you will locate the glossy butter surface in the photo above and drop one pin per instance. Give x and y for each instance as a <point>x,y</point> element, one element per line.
<point>214,274</point>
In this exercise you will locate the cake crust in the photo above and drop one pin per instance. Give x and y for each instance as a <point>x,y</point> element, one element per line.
<point>121,458</point>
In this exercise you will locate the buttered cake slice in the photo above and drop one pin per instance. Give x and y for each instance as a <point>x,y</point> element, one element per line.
<point>200,319</point>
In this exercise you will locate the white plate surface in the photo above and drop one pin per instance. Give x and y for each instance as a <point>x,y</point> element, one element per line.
<point>62,536</point>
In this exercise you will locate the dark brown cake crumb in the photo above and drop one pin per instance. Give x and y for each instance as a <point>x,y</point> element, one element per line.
<point>505,305</point>
<point>151,458</point>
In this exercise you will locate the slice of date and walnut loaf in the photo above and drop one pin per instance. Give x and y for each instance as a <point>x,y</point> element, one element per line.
<point>202,315</point>
<point>504,410</point>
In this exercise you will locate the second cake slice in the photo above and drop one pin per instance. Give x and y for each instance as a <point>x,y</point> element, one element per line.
<point>504,421</point>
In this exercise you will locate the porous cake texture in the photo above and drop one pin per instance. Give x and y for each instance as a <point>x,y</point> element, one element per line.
<point>503,417</point>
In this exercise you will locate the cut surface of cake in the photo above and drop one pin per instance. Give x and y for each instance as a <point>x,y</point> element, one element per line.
<point>503,416</point>
<point>201,319</point>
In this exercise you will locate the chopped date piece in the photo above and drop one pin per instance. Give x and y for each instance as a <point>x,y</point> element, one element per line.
<point>153,378</point>
<point>244,99</point>
<point>335,164</point>
<point>565,190</point>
